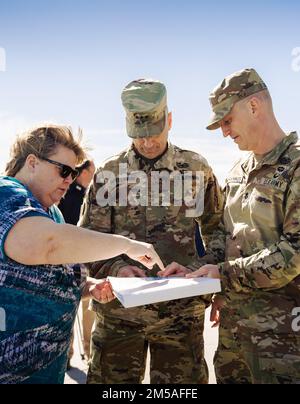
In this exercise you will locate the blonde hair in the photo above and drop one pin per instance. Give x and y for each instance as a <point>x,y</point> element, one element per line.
<point>42,141</point>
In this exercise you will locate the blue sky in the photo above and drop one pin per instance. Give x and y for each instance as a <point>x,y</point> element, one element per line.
<point>67,61</point>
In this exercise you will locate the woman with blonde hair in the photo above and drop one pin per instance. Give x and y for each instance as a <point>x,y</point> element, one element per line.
<point>40,286</point>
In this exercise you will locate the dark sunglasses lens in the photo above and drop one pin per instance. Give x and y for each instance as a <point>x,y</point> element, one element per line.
<point>66,171</point>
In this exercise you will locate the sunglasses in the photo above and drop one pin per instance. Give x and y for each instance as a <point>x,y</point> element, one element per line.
<point>65,170</point>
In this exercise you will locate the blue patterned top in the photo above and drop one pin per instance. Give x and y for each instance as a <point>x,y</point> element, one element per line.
<point>38,304</point>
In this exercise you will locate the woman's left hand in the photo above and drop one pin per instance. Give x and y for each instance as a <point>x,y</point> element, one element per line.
<point>99,290</point>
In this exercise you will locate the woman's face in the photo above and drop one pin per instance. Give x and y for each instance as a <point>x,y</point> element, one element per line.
<point>46,183</point>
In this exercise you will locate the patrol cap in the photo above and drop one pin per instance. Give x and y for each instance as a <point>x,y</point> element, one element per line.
<point>232,89</point>
<point>145,103</point>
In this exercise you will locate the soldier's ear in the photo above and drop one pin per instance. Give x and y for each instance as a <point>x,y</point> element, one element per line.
<point>170,120</point>
<point>254,106</point>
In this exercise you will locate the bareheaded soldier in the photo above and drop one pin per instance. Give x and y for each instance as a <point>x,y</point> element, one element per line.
<point>139,193</point>
<point>260,271</point>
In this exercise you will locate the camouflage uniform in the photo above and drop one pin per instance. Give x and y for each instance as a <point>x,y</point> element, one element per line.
<point>173,329</point>
<point>261,268</point>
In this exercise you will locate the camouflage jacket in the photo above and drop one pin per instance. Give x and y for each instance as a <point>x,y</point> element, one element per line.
<point>167,227</point>
<point>261,272</point>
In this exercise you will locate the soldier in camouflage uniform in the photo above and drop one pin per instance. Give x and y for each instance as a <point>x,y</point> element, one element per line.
<point>260,271</point>
<point>172,330</point>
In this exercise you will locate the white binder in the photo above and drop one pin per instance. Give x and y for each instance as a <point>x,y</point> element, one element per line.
<point>132,292</point>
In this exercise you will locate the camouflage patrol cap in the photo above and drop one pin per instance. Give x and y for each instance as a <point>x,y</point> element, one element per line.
<point>232,89</point>
<point>145,103</point>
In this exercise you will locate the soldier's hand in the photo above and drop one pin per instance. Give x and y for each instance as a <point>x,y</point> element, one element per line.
<point>175,270</point>
<point>145,254</point>
<point>131,272</point>
<point>207,271</point>
<point>215,313</point>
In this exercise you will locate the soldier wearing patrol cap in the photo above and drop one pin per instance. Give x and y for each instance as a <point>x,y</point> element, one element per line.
<point>172,330</point>
<point>260,272</point>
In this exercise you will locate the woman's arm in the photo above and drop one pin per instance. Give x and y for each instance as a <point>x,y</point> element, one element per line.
<point>40,241</point>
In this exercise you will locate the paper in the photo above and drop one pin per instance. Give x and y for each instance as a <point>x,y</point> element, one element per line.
<point>132,292</point>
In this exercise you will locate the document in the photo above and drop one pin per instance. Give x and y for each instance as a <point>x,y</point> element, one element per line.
<point>133,292</point>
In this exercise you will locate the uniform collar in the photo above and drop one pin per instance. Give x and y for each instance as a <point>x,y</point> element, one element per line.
<point>273,156</point>
<point>166,162</point>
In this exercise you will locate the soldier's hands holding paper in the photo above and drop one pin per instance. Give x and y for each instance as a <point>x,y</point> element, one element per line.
<point>206,271</point>
<point>175,270</point>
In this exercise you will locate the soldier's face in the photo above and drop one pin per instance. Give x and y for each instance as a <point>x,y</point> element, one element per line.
<point>153,146</point>
<point>239,126</point>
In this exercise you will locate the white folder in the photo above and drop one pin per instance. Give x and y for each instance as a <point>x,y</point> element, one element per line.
<point>132,292</point>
